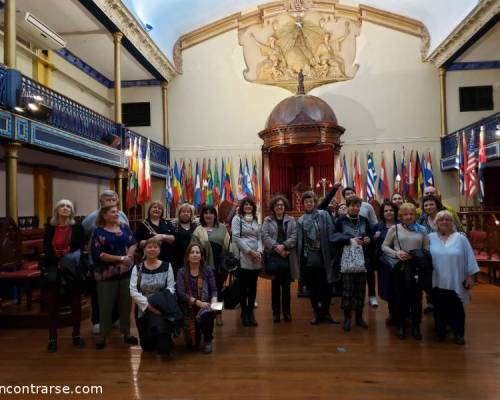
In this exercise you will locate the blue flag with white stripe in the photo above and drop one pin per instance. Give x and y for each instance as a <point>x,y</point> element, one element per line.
<point>371,177</point>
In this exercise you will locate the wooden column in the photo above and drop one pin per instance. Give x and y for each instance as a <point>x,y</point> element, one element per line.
<point>9,39</point>
<point>164,99</point>
<point>43,190</point>
<point>120,176</point>
<point>117,38</point>
<point>442,89</point>
<point>11,156</point>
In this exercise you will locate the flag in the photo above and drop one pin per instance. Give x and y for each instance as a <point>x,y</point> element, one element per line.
<point>471,168</point>
<point>383,183</point>
<point>240,192</point>
<point>210,185</point>
<point>168,191</point>
<point>183,181</point>
<point>189,184</point>
<point>216,184</point>
<point>465,163</point>
<point>140,173</point>
<point>358,180</point>
<point>424,172</point>
<point>411,176</point>
<point>132,178</point>
<point>371,177</point>
<point>147,173</point>
<point>197,187</point>
<point>255,181</point>
<point>429,177</point>
<point>404,174</point>
<point>418,177</point>
<point>395,173</point>
<point>223,180</point>
<point>481,164</point>
<point>204,183</point>
<point>176,186</point>
<point>247,182</point>
<point>458,165</point>
<point>228,190</point>
<point>345,175</point>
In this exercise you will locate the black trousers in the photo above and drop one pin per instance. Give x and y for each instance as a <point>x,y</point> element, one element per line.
<point>320,291</point>
<point>280,293</point>
<point>353,291</point>
<point>370,280</point>
<point>248,290</point>
<point>407,299</point>
<point>220,278</point>
<point>161,343</point>
<point>54,298</point>
<point>205,328</point>
<point>448,310</point>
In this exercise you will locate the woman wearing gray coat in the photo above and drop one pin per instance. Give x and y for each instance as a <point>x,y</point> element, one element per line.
<point>279,237</point>
<point>314,234</point>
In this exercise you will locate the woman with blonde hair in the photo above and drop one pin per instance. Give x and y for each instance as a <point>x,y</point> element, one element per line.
<point>401,241</point>
<point>183,227</point>
<point>63,242</point>
<point>453,276</point>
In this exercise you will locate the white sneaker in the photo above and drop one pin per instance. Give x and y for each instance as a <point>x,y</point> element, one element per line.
<point>96,328</point>
<point>373,301</point>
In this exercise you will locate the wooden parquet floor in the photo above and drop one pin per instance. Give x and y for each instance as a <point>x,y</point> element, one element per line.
<point>276,361</point>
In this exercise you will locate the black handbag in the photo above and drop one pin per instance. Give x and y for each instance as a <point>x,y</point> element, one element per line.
<point>391,262</point>
<point>230,295</point>
<point>274,263</point>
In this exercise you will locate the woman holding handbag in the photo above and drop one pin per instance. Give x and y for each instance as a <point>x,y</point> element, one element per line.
<point>401,240</point>
<point>279,237</point>
<point>154,226</point>
<point>353,233</point>
<point>148,278</point>
<point>64,239</point>
<point>453,276</point>
<point>214,240</point>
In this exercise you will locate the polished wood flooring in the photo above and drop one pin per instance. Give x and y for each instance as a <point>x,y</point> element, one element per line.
<point>276,361</point>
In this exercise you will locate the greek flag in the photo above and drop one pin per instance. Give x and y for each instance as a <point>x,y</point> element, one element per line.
<point>371,177</point>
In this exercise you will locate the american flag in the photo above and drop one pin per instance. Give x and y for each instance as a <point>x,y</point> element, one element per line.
<point>481,164</point>
<point>471,167</point>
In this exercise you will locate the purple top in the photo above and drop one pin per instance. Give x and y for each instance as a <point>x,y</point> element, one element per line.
<point>209,290</point>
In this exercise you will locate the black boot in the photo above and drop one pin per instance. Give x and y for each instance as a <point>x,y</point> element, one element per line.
<point>244,318</point>
<point>415,332</point>
<point>359,319</point>
<point>251,319</point>
<point>347,320</point>
<point>52,346</point>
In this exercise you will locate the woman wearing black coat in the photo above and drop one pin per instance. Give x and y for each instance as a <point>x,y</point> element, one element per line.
<point>63,241</point>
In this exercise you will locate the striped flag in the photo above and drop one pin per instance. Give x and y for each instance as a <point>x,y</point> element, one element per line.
<point>241,178</point>
<point>228,189</point>
<point>345,175</point>
<point>358,180</point>
<point>465,156</point>
<point>168,191</point>
<point>197,187</point>
<point>419,173</point>
<point>429,176</point>
<point>404,174</point>
<point>210,185</point>
<point>223,180</point>
<point>204,182</point>
<point>383,183</point>
<point>147,173</point>
<point>371,177</point>
<point>247,182</point>
<point>216,184</point>
<point>471,168</point>
<point>255,181</point>
<point>395,173</point>
<point>176,187</point>
<point>140,174</point>
<point>458,165</point>
<point>481,164</point>
<point>411,176</point>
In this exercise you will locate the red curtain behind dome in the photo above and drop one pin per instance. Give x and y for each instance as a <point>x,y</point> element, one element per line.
<point>289,169</point>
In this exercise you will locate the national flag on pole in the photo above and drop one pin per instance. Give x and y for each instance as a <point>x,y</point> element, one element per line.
<point>183,181</point>
<point>223,180</point>
<point>383,183</point>
<point>210,185</point>
<point>482,164</point>
<point>418,177</point>
<point>189,184</point>
<point>142,179</point>
<point>395,173</point>
<point>429,176</point>
<point>228,195</point>
<point>197,187</point>
<point>216,184</point>
<point>168,191</point>
<point>247,183</point>
<point>255,181</point>
<point>358,180</point>
<point>241,178</point>
<point>132,177</point>
<point>176,186</point>
<point>458,165</point>
<point>371,177</point>
<point>411,176</point>
<point>404,174</point>
<point>471,167</point>
<point>204,182</point>
<point>147,173</point>
<point>465,163</point>
<point>345,175</point>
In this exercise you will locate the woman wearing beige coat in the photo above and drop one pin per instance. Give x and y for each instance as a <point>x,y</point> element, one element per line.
<point>279,238</point>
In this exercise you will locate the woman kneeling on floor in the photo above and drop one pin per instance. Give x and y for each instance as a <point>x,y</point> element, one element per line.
<point>152,280</point>
<point>197,291</point>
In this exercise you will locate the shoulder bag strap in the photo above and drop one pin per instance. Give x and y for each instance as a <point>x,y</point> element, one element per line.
<point>149,227</point>
<point>139,276</point>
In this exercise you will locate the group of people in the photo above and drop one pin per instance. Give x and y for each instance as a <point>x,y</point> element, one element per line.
<point>180,265</point>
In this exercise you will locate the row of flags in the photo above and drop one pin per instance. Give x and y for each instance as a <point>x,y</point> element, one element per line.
<point>409,178</point>
<point>200,183</point>
<point>139,173</point>
<point>471,168</point>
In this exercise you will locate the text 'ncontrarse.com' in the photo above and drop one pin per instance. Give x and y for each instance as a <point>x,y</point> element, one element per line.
<point>50,389</point>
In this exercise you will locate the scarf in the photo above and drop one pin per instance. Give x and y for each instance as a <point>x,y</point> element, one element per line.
<point>311,226</point>
<point>193,309</point>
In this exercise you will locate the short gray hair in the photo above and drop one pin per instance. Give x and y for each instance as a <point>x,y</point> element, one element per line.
<point>107,193</point>
<point>446,214</point>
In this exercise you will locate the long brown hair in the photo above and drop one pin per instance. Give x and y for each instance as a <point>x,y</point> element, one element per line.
<point>186,262</point>
<point>100,217</point>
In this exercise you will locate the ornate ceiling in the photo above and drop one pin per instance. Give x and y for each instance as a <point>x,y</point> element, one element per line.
<point>172,18</point>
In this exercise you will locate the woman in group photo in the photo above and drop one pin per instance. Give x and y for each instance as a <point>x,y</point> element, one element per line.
<point>183,227</point>
<point>279,237</point>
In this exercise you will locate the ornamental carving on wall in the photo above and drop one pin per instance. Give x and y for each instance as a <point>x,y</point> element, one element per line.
<point>299,37</point>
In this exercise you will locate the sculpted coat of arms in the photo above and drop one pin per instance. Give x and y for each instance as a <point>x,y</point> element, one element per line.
<point>300,38</point>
